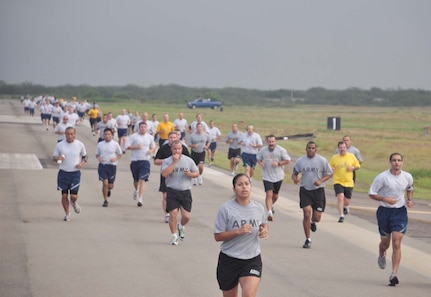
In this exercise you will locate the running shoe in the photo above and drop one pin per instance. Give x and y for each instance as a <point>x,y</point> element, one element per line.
<point>139,202</point>
<point>200,180</point>
<point>167,216</point>
<point>75,206</point>
<point>174,240</point>
<point>105,204</point>
<point>67,217</point>
<point>195,181</point>
<point>382,262</point>
<point>313,227</point>
<point>345,210</point>
<point>341,220</point>
<point>233,173</point>
<point>109,193</point>
<point>393,280</point>
<point>307,244</point>
<point>135,195</point>
<point>181,231</point>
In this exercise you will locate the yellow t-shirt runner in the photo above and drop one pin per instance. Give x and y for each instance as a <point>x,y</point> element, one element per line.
<point>339,165</point>
<point>164,128</point>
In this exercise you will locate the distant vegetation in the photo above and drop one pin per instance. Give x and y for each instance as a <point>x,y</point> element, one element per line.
<point>175,94</point>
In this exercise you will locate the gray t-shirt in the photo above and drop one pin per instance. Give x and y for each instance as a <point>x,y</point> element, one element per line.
<point>178,180</point>
<point>201,139</point>
<point>312,169</point>
<point>236,137</point>
<point>270,173</point>
<point>232,216</point>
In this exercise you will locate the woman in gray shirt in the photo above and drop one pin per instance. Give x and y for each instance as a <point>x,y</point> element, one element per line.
<point>239,224</point>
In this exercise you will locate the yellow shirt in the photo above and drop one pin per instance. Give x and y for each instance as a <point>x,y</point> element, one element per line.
<point>339,165</point>
<point>163,129</point>
<point>93,113</point>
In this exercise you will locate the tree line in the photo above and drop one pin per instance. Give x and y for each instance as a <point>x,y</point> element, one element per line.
<point>176,94</point>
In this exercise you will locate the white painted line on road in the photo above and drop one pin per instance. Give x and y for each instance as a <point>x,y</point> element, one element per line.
<point>19,161</point>
<point>20,119</point>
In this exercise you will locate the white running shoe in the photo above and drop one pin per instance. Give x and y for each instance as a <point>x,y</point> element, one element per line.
<point>75,206</point>
<point>135,195</point>
<point>174,240</point>
<point>195,181</point>
<point>233,173</point>
<point>139,202</point>
<point>67,217</point>
<point>167,216</point>
<point>200,180</point>
<point>181,231</point>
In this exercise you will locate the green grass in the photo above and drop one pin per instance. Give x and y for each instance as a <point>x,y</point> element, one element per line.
<point>376,131</point>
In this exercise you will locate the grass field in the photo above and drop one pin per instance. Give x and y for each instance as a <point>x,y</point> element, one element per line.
<point>376,131</point>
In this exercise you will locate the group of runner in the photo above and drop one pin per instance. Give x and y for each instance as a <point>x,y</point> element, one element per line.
<point>181,168</point>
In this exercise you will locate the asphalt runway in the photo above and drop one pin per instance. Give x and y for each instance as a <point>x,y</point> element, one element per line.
<point>123,250</point>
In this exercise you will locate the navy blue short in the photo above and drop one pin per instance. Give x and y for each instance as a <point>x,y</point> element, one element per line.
<point>81,114</point>
<point>249,160</point>
<point>140,170</point>
<point>213,146</point>
<point>270,186</point>
<point>391,220</point>
<point>347,191</point>
<point>316,198</point>
<point>107,171</point>
<point>56,119</point>
<point>68,180</point>
<point>122,132</point>
<point>229,270</point>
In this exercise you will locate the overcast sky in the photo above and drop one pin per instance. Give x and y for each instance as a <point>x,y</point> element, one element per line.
<point>265,44</point>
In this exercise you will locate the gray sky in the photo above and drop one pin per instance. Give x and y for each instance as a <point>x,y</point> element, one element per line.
<point>267,45</point>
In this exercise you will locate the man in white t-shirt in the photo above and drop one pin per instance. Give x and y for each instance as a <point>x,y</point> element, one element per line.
<point>181,124</point>
<point>123,122</point>
<point>108,152</point>
<point>143,147</point>
<point>71,155</point>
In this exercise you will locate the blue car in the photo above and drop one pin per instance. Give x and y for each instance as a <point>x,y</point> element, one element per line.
<point>204,103</point>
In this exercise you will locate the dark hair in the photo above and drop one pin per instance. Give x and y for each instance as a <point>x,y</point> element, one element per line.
<point>340,142</point>
<point>311,142</point>
<point>270,136</point>
<point>235,178</point>
<point>395,154</point>
<point>108,129</point>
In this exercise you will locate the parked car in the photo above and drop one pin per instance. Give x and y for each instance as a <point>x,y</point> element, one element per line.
<point>204,103</point>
